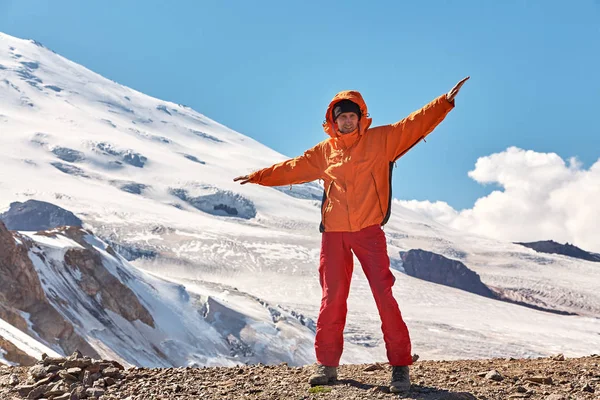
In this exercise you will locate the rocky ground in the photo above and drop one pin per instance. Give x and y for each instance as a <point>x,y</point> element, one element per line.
<point>78,377</point>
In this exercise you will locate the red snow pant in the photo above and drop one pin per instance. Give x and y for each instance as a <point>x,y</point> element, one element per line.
<point>335,270</point>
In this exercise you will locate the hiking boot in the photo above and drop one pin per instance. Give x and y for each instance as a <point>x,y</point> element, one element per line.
<point>323,375</point>
<point>400,380</point>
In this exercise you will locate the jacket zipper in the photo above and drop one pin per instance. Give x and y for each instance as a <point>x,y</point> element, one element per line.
<point>326,204</point>
<point>378,198</point>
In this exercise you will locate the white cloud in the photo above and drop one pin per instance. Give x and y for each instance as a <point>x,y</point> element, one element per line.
<point>439,211</point>
<point>542,197</point>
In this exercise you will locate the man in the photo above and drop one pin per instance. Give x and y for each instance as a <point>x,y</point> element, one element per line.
<point>356,164</point>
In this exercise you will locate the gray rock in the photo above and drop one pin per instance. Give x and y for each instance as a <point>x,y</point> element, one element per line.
<point>38,392</point>
<point>38,372</point>
<point>79,392</point>
<point>539,379</point>
<point>46,380</point>
<point>68,377</point>
<point>494,376</point>
<point>52,368</point>
<point>53,360</point>
<point>75,371</point>
<point>95,377</point>
<point>112,372</point>
<point>206,136</point>
<point>218,202</point>
<point>436,268</point>
<point>55,88</point>
<point>67,154</point>
<point>163,108</point>
<point>57,390</point>
<point>77,363</point>
<point>552,247</point>
<point>24,390</point>
<point>588,388</point>
<point>194,159</point>
<point>75,355</point>
<point>35,215</point>
<point>69,169</point>
<point>87,379</point>
<point>134,188</point>
<point>135,159</point>
<point>13,380</point>
<point>94,392</point>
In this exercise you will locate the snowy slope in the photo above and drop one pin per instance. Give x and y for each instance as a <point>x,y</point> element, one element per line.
<point>145,174</point>
<point>131,316</point>
<point>23,342</point>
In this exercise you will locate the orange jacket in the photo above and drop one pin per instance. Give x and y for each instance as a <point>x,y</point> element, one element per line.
<point>356,167</point>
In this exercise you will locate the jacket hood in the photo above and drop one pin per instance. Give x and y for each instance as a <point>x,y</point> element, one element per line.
<point>356,97</point>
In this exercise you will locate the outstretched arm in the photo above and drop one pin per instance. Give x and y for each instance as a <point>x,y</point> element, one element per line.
<point>305,168</point>
<point>403,135</point>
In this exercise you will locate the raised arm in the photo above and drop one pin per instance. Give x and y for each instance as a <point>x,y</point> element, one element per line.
<point>403,135</point>
<point>305,168</point>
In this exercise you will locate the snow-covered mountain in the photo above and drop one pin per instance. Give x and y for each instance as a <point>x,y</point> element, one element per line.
<point>76,292</point>
<point>153,180</point>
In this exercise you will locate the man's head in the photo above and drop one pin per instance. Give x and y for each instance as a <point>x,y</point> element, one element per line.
<point>346,115</point>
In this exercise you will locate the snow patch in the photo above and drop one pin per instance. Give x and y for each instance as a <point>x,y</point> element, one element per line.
<point>54,242</point>
<point>24,342</point>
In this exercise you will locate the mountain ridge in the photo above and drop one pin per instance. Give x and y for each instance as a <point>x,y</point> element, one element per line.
<point>155,178</point>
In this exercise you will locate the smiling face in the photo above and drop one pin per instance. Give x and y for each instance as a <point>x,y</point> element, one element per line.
<point>347,122</point>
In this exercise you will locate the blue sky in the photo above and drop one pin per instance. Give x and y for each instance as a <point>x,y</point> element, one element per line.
<point>268,69</point>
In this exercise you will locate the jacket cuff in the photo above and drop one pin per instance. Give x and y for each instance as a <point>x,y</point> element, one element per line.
<point>255,177</point>
<point>451,103</point>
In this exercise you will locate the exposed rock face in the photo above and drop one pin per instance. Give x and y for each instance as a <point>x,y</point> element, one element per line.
<point>135,159</point>
<point>131,252</point>
<point>95,279</point>
<point>129,156</point>
<point>552,247</point>
<point>436,268</point>
<point>134,188</point>
<point>215,201</point>
<point>67,154</point>
<point>19,283</point>
<point>69,169</point>
<point>193,158</point>
<point>34,215</point>
<point>15,355</point>
<point>439,269</point>
<point>21,290</point>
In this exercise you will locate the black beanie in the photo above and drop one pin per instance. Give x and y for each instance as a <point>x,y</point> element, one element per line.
<point>343,106</point>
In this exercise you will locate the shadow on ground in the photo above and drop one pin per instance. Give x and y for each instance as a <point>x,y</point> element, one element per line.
<point>416,391</point>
